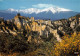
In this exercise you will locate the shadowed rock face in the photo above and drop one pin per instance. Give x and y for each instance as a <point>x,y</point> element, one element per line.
<point>26,26</point>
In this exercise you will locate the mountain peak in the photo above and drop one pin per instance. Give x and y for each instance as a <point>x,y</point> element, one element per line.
<point>56,9</point>
<point>11,9</point>
<point>35,10</point>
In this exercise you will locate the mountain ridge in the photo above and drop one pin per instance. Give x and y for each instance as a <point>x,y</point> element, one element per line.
<point>35,10</point>
<point>47,13</point>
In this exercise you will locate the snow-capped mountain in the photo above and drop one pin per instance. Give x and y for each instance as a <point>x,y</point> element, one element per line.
<point>52,13</point>
<point>34,10</point>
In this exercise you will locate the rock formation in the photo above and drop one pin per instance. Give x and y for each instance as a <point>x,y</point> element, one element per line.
<point>29,26</point>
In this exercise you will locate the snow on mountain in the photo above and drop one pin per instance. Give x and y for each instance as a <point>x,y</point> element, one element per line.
<point>35,10</point>
<point>53,13</point>
<point>11,9</point>
<point>56,9</point>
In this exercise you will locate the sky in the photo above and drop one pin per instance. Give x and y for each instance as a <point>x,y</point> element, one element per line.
<point>40,4</point>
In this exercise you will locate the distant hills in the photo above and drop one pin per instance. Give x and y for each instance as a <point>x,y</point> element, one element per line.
<point>48,13</point>
<point>7,15</point>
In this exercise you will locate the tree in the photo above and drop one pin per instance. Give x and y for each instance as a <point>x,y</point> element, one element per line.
<point>18,14</point>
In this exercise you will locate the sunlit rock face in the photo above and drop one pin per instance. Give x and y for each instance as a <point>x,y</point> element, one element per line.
<point>39,28</point>
<point>73,24</point>
<point>17,22</point>
<point>20,21</point>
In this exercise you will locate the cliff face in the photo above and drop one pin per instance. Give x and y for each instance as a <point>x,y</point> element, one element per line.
<point>39,28</point>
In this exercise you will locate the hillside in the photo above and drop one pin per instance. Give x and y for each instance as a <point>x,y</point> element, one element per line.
<point>24,35</point>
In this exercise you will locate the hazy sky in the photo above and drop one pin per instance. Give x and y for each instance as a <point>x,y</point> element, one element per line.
<point>40,4</point>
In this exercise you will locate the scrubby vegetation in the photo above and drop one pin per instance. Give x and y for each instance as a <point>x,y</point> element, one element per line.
<point>68,46</point>
<point>10,45</point>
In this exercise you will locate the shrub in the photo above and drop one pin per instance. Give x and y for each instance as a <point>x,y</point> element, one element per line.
<point>68,45</point>
<point>68,30</point>
<point>78,28</point>
<point>9,43</point>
